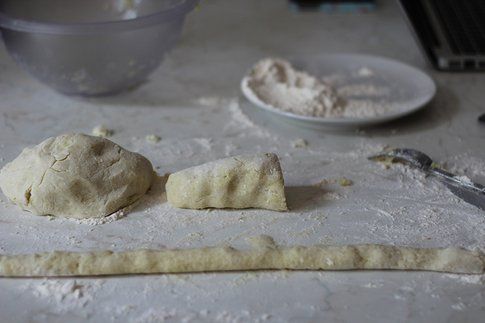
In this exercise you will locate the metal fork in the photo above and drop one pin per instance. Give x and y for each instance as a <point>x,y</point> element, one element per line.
<point>466,189</point>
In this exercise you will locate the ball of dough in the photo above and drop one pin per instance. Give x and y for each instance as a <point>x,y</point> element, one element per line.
<point>76,176</point>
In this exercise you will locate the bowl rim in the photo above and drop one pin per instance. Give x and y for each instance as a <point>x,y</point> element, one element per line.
<point>182,8</point>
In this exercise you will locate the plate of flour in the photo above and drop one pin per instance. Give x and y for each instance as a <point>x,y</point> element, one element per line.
<point>337,90</point>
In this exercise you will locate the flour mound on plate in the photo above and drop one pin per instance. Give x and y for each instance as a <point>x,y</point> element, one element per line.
<point>76,176</point>
<point>276,83</point>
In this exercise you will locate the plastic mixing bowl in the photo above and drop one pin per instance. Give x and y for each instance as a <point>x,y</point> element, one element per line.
<point>91,47</point>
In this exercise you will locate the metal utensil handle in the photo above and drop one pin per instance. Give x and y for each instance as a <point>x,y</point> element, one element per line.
<point>452,178</point>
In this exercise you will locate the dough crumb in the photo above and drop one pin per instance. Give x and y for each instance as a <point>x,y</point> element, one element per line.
<point>153,138</point>
<point>299,143</point>
<point>102,131</point>
<point>345,182</point>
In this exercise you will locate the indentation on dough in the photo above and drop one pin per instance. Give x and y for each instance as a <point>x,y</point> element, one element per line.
<point>114,162</point>
<point>133,197</point>
<point>45,172</point>
<point>232,185</point>
<point>51,167</point>
<point>62,159</point>
<point>28,195</point>
<point>359,260</point>
<point>98,148</point>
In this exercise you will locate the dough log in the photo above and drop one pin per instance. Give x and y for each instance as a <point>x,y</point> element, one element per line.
<point>246,181</point>
<point>212,259</point>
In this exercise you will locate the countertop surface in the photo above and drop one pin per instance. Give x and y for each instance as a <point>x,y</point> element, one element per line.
<point>193,103</point>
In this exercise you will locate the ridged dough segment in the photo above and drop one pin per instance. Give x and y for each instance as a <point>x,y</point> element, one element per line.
<point>245,181</point>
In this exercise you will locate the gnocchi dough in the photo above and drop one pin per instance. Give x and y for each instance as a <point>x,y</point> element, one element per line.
<point>246,181</point>
<point>265,255</point>
<point>76,176</point>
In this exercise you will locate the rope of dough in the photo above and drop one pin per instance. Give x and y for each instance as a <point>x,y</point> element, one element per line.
<point>269,257</point>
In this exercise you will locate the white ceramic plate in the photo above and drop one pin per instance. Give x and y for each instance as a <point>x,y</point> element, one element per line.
<point>407,88</point>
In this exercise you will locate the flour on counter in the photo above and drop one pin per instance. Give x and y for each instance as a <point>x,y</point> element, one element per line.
<point>467,279</point>
<point>467,164</point>
<point>65,294</point>
<point>239,120</point>
<point>238,116</point>
<point>107,219</point>
<point>212,101</point>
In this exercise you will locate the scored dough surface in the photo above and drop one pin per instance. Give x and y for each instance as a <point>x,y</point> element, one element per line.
<point>264,256</point>
<point>76,176</point>
<point>246,181</point>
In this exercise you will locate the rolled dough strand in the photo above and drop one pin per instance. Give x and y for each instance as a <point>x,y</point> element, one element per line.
<point>212,259</point>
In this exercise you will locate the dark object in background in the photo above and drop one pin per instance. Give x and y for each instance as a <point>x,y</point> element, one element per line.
<point>482,118</point>
<point>451,33</point>
<point>333,6</point>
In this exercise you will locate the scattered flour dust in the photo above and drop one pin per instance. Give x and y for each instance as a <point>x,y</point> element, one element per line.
<point>276,83</point>
<point>107,219</point>
<point>65,294</point>
<point>468,164</point>
<point>172,315</point>
<point>212,101</point>
<point>467,279</point>
<point>238,119</point>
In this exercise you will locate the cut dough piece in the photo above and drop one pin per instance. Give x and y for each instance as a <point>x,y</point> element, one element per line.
<point>265,256</point>
<point>246,181</point>
<point>76,176</point>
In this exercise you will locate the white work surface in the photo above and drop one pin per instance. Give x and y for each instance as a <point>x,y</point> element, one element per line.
<point>191,102</point>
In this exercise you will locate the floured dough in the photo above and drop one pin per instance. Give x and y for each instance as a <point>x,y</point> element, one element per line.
<point>265,255</point>
<point>246,181</point>
<point>77,176</point>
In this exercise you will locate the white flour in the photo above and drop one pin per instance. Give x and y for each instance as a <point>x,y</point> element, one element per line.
<point>107,219</point>
<point>66,294</point>
<point>276,83</point>
<point>467,164</point>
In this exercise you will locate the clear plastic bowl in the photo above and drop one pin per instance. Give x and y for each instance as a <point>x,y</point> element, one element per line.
<point>91,47</point>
